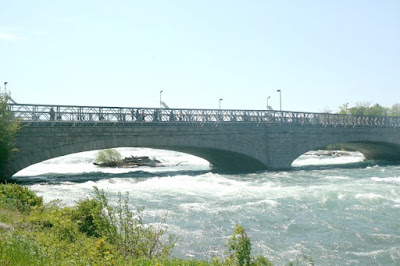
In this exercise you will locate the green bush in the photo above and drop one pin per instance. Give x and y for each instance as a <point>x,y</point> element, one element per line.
<point>127,230</point>
<point>88,214</point>
<point>239,247</point>
<point>22,198</point>
<point>108,157</point>
<point>95,233</point>
<point>54,221</point>
<point>8,128</point>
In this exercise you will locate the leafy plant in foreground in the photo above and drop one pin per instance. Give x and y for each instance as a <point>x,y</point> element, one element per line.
<point>18,196</point>
<point>88,216</point>
<point>18,250</point>
<point>239,247</point>
<point>126,229</point>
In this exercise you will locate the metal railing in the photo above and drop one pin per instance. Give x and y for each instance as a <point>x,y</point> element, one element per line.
<point>54,115</point>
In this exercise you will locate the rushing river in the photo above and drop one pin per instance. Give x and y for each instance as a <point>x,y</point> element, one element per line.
<point>336,214</point>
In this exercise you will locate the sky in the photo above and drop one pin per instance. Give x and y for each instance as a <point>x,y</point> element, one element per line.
<point>320,54</point>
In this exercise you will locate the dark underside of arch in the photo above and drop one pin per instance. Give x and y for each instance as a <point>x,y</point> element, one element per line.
<point>372,150</point>
<point>223,160</point>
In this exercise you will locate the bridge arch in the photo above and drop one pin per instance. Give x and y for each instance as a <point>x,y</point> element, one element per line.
<point>37,144</point>
<point>371,150</point>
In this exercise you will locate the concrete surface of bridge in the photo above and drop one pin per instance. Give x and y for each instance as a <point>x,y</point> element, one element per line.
<point>227,144</point>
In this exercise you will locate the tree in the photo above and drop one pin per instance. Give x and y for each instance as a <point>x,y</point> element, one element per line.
<point>365,108</point>
<point>8,128</point>
<point>359,109</point>
<point>376,110</point>
<point>344,109</point>
<point>395,110</point>
<point>326,110</point>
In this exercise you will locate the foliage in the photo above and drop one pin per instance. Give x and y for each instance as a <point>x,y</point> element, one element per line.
<point>395,110</point>
<point>88,215</point>
<point>92,232</point>
<point>359,109</point>
<point>126,229</point>
<point>8,129</point>
<point>18,196</point>
<point>239,247</point>
<point>376,110</point>
<point>344,109</point>
<point>366,109</point>
<point>109,157</point>
<point>118,230</point>
<point>18,250</point>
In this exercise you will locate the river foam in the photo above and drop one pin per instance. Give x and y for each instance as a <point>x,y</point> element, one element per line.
<point>336,214</point>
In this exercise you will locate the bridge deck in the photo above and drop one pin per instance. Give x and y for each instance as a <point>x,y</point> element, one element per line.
<point>65,115</point>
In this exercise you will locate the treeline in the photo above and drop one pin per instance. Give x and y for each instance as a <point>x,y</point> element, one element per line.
<point>370,110</point>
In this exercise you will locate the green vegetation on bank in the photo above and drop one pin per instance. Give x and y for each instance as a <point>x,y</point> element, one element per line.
<point>93,233</point>
<point>8,129</point>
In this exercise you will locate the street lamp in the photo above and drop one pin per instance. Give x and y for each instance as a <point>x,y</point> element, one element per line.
<point>280,99</point>
<point>160,98</point>
<point>267,101</point>
<point>220,103</point>
<point>5,87</point>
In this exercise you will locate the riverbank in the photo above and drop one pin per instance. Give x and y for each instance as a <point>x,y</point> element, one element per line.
<point>34,233</point>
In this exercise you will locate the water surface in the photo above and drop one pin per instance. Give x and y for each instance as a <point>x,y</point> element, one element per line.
<point>337,214</point>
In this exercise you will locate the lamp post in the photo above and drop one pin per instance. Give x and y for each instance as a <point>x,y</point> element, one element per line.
<point>5,87</point>
<point>280,99</point>
<point>220,103</point>
<point>267,102</point>
<point>160,97</point>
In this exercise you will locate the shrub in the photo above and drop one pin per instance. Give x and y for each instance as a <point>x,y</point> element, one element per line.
<point>55,221</point>
<point>95,233</point>
<point>8,128</point>
<point>127,230</point>
<point>22,198</point>
<point>239,247</point>
<point>108,157</point>
<point>87,215</point>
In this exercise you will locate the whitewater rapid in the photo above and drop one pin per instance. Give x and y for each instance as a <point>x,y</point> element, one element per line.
<point>339,210</point>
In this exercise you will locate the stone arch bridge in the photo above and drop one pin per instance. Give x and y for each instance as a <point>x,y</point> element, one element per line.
<point>238,140</point>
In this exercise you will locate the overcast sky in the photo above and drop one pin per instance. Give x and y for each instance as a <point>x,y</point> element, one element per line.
<point>320,54</point>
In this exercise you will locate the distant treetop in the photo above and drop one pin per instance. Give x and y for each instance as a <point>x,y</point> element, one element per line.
<point>367,109</point>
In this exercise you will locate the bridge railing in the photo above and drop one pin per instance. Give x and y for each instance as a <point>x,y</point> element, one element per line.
<point>95,115</point>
